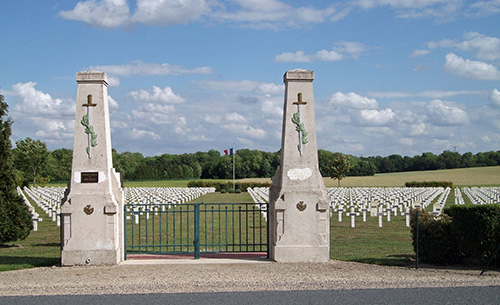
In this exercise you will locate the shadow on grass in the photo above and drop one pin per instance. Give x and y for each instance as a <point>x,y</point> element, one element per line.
<point>48,245</point>
<point>29,261</point>
<point>402,260</point>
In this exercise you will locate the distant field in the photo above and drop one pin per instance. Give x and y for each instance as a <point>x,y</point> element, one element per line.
<point>475,176</point>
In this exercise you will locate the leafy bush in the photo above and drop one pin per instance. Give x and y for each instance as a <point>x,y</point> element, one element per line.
<point>444,184</point>
<point>15,218</point>
<point>436,243</point>
<point>467,234</point>
<point>477,230</point>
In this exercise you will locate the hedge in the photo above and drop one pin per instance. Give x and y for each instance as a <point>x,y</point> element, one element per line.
<point>444,184</point>
<point>227,185</point>
<point>436,242</point>
<point>467,234</point>
<point>477,230</point>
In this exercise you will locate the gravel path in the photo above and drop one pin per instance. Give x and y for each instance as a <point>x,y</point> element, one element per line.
<point>207,276</point>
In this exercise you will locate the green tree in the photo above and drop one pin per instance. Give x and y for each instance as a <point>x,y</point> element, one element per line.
<point>339,167</point>
<point>31,156</point>
<point>15,218</point>
<point>59,165</point>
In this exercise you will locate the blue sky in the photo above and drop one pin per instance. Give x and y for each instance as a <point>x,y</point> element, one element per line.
<point>391,76</point>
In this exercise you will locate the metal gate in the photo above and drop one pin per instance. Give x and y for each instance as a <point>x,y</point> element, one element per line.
<point>195,228</point>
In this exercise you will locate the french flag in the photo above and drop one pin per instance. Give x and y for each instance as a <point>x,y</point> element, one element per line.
<point>228,152</point>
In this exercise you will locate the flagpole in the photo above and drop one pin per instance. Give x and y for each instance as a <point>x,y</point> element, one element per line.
<point>234,153</point>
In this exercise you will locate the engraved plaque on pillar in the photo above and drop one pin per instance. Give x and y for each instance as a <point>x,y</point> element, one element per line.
<point>90,177</point>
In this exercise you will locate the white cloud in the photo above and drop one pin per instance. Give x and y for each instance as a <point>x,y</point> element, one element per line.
<point>375,117</point>
<point>485,8</point>
<point>157,94</point>
<point>273,107</point>
<point>487,48</point>
<point>260,13</point>
<point>113,81</point>
<point>50,119</point>
<point>417,129</point>
<point>352,100</point>
<point>325,55</point>
<point>198,138</point>
<point>341,50</point>
<point>495,98</point>
<point>112,103</point>
<point>298,56</point>
<point>243,86</point>
<point>416,8</point>
<point>273,13</point>
<point>314,15</point>
<point>160,12</point>
<point>270,88</point>
<point>446,113</point>
<point>247,130</point>
<point>155,113</point>
<point>212,119</point>
<point>37,102</point>
<point>429,93</point>
<point>471,69</point>
<point>143,68</point>
<point>140,134</point>
<point>100,13</point>
<point>235,117</point>
<point>418,53</point>
<point>407,141</point>
<point>444,43</point>
<point>351,48</point>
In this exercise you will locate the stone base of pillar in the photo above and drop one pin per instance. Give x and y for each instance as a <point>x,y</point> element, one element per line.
<point>90,257</point>
<point>306,254</point>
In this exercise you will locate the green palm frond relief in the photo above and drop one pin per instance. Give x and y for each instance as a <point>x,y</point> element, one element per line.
<point>300,127</point>
<point>89,130</point>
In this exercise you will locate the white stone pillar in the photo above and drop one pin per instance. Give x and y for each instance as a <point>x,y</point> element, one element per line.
<point>92,209</point>
<point>299,204</point>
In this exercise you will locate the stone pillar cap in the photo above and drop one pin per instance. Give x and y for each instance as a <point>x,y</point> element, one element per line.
<point>92,76</point>
<point>298,74</point>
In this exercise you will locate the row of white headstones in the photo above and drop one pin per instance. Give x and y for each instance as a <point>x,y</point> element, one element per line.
<point>138,200</point>
<point>351,202</point>
<point>149,201</point>
<point>379,202</point>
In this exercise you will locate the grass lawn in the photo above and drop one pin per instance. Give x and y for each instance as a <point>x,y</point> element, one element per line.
<point>368,243</point>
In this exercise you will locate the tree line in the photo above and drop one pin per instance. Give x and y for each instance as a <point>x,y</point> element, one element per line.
<point>33,162</point>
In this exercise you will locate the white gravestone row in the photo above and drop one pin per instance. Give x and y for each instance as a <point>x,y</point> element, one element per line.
<point>483,195</point>
<point>458,196</point>
<point>376,202</point>
<point>161,195</point>
<point>48,199</point>
<point>381,201</point>
<point>260,195</point>
<point>34,215</point>
<point>150,200</point>
<point>437,208</point>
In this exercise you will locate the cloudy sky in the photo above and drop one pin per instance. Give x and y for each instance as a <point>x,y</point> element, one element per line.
<point>391,76</point>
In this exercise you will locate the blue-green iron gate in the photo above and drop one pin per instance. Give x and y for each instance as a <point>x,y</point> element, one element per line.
<point>195,228</point>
